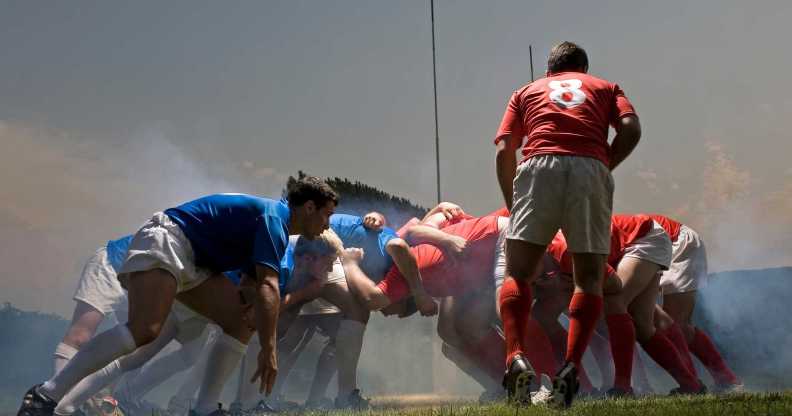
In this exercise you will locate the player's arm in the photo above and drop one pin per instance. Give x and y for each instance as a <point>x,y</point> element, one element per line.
<point>405,261</point>
<point>359,284</point>
<point>506,165</point>
<point>303,295</point>
<point>628,133</point>
<point>264,291</point>
<point>448,210</point>
<point>452,245</point>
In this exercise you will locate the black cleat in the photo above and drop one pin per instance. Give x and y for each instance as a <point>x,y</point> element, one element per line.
<point>565,386</point>
<point>517,381</point>
<point>36,403</point>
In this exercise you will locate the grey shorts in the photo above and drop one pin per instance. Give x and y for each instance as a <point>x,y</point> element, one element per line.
<point>571,193</point>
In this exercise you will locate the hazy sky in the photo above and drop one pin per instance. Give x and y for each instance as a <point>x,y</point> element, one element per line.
<point>112,110</point>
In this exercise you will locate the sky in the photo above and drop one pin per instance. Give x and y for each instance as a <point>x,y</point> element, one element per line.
<point>110,111</point>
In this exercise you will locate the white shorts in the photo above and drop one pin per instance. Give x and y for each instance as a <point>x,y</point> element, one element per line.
<point>320,306</point>
<point>688,271</point>
<point>571,193</point>
<point>499,270</point>
<point>655,247</point>
<point>161,244</point>
<point>100,288</point>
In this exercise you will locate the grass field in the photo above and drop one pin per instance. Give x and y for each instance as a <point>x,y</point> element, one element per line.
<point>765,404</point>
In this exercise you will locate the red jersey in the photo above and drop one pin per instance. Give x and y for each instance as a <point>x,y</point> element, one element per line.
<point>670,226</point>
<point>444,278</point>
<point>567,113</point>
<point>625,229</point>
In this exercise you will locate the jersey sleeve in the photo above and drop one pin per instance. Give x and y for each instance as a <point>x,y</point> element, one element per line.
<point>386,235</point>
<point>621,105</point>
<point>271,240</point>
<point>511,124</point>
<point>394,286</point>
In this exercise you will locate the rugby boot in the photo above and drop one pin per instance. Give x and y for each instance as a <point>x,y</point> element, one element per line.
<point>517,381</point>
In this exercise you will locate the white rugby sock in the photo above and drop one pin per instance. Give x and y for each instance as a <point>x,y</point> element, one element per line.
<point>184,399</point>
<point>247,394</point>
<point>349,343</point>
<point>160,369</point>
<point>87,387</point>
<point>63,353</point>
<point>91,385</point>
<point>97,353</point>
<point>222,361</point>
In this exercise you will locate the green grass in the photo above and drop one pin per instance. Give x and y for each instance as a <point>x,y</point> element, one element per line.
<point>768,404</point>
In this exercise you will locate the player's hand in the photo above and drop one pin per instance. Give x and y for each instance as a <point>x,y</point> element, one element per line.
<point>454,248</point>
<point>373,222</point>
<point>267,369</point>
<point>425,304</point>
<point>352,255</point>
<point>450,210</point>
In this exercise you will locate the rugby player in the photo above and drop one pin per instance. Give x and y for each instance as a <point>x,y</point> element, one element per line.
<point>179,253</point>
<point>564,181</point>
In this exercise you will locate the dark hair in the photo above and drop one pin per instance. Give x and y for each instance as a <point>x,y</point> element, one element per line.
<point>310,188</point>
<point>567,56</point>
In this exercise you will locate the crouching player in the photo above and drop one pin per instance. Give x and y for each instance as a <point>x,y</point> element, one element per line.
<point>679,286</point>
<point>175,254</point>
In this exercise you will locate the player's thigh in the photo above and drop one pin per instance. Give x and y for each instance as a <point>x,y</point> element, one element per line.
<point>217,298</point>
<point>151,296</point>
<point>635,275</point>
<point>680,306</point>
<point>642,309</point>
<point>339,295</point>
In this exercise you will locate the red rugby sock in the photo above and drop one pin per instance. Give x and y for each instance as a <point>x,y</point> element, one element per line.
<point>703,347</point>
<point>515,306</point>
<point>621,332</point>
<point>675,335</point>
<point>584,311</point>
<point>666,355</point>
<point>539,350</point>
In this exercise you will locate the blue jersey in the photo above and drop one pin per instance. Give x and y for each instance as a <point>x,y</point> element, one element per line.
<point>376,261</point>
<point>234,231</point>
<point>117,251</point>
<point>286,269</point>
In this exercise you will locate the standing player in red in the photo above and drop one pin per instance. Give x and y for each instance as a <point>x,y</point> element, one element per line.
<point>564,181</point>
<point>679,285</point>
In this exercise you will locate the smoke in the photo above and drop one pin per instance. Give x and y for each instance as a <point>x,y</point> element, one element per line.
<point>66,194</point>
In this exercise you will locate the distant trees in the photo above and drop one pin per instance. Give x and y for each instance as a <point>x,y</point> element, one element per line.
<point>358,198</point>
<point>27,340</point>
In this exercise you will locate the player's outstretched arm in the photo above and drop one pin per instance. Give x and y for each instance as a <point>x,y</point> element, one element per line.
<point>506,166</point>
<point>266,304</point>
<point>405,261</point>
<point>628,133</point>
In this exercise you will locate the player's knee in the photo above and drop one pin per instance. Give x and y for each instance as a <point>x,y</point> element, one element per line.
<point>644,330</point>
<point>77,337</point>
<point>144,333</point>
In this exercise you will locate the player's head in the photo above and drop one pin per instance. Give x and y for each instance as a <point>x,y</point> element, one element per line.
<point>567,56</point>
<point>403,308</point>
<point>312,202</point>
<point>316,257</point>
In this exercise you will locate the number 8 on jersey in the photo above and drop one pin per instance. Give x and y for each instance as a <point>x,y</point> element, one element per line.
<point>567,93</point>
